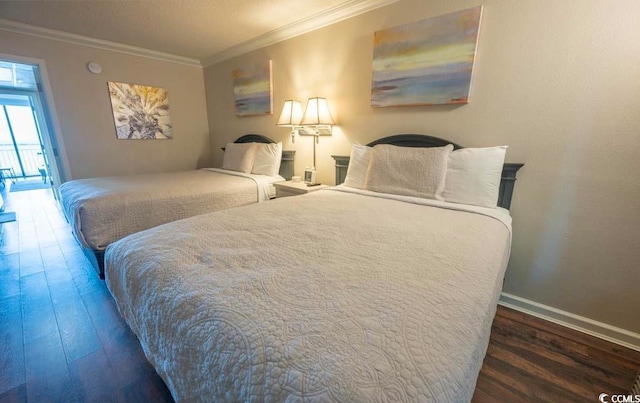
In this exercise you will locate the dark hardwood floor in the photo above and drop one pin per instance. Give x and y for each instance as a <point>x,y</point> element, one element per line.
<point>533,360</point>
<point>62,339</point>
<point>61,336</point>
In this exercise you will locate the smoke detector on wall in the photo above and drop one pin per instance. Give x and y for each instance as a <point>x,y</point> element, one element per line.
<point>94,67</point>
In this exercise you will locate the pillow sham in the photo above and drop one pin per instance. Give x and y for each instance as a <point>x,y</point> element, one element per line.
<point>473,176</point>
<point>408,171</point>
<point>358,165</point>
<point>239,157</point>
<point>268,158</point>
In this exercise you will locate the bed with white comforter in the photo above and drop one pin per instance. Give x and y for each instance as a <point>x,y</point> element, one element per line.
<point>340,295</point>
<point>103,210</point>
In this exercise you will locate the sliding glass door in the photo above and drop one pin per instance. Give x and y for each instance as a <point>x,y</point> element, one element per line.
<point>28,147</point>
<point>21,147</point>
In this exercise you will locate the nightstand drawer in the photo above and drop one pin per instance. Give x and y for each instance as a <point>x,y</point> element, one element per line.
<point>286,189</point>
<point>280,192</point>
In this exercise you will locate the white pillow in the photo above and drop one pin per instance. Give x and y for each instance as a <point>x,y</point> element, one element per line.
<point>239,157</point>
<point>473,176</point>
<point>358,165</point>
<point>268,158</point>
<point>408,171</point>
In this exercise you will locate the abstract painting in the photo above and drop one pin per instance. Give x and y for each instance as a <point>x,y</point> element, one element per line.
<point>252,90</point>
<point>428,62</point>
<point>140,112</point>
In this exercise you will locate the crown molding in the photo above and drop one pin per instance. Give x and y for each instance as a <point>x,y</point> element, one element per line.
<point>31,30</point>
<point>320,20</point>
<point>339,13</point>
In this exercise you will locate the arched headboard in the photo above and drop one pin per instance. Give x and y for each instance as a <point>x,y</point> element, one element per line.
<point>288,156</point>
<point>414,140</point>
<point>253,138</point>
<point>509,169</point>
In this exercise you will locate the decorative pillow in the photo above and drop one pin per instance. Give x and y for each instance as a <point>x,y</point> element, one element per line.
<point>473,176</point>
<point>408,171</point>
<point>239,157</point>
<point>358,165</point>
<point>268,158</point>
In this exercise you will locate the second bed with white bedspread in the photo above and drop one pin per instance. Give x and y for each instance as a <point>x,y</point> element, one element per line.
<point>103,210</point>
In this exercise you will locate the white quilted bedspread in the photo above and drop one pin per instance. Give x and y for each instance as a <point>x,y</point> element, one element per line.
<point>326,297</point>
<point>103,210</point>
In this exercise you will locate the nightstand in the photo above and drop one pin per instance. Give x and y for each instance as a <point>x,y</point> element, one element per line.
<point>288,188</point>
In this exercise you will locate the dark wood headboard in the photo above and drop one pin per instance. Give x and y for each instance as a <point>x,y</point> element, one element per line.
<point>509,169</point>
<point>288,156</point>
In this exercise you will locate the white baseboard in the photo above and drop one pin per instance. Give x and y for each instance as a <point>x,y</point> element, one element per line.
<point>585,325</point>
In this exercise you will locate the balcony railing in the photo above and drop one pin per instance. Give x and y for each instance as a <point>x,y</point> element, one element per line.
<point>30,155</point>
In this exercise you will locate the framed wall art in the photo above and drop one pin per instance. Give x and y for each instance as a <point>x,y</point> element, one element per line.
<point>428,62</point>
<point>140,112</point>
<point>252,87</point>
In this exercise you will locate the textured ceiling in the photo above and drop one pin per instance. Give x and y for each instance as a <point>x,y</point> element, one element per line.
<point>190,28</point>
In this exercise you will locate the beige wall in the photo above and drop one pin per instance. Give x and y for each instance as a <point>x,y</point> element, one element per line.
<point>83,108</point>
<point>558,81</point>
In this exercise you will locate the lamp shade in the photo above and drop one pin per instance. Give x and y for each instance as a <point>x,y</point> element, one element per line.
<point>317,113</point>
<point>291,113</point>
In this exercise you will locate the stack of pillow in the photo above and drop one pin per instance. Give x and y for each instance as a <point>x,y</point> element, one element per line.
<point>467,176</point>
<point>254,158</point>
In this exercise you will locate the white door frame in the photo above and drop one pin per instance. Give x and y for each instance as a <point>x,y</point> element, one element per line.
<point>51,138</point>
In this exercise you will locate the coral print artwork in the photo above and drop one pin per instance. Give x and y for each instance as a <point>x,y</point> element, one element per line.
<point>140,112</point>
